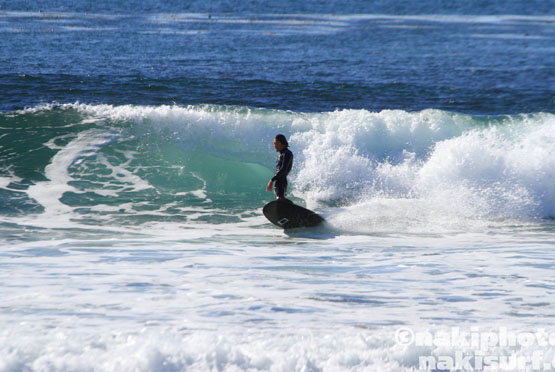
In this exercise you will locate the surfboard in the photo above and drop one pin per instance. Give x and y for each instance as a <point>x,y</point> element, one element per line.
<point>285,214</point>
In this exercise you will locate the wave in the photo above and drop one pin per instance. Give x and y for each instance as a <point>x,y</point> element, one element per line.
<point>364,170</point>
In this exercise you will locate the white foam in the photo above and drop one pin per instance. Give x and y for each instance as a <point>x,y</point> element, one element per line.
<point>429,166</point>
<point>130,181</point>
<point>347,150</point>
<point>509,169</point>
<point>154,348</point>
<point>6,180</point>
<point>49,193</point>
<point>151,349</point>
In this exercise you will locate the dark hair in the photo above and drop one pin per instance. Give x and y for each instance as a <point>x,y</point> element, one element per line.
<point>281,138</point>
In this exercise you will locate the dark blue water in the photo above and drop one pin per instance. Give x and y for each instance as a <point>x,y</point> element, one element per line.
<point>466,56</point>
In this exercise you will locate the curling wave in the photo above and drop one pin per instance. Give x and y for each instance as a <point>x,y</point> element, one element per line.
<point>131,164</point>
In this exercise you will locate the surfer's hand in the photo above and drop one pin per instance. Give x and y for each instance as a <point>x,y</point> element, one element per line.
<point>269,187</point>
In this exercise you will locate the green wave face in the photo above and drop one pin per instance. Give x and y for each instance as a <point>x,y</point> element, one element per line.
<point>130,165</point>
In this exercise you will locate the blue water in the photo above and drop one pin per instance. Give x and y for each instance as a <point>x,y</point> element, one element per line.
<point>494,59</point>
<point>136,144</point>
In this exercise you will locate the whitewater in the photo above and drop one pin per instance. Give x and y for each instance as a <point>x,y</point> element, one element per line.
<point>133,237</point>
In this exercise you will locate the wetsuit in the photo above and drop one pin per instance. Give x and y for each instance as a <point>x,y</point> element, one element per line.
<point>283,166</point>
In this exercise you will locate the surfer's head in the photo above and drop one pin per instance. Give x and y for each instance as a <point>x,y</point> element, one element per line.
<point>280,142</point>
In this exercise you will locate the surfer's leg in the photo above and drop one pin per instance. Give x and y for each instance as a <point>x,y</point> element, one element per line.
<point>279,189</point>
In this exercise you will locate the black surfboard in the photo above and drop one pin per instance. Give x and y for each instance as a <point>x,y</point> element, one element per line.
<point>285,214</point>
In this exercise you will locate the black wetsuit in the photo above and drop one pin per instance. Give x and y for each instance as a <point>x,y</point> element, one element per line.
<point>283,166</point>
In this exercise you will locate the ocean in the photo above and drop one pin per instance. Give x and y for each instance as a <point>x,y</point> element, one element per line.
<point>135,149</point>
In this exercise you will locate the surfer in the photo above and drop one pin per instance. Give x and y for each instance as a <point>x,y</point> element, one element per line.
<point>283,166</point>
